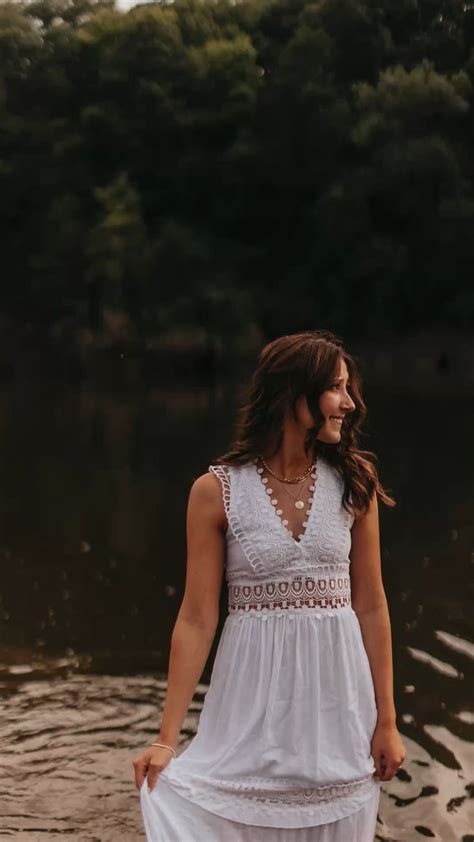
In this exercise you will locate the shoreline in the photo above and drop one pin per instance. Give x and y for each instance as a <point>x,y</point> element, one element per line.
<point>431,358</point>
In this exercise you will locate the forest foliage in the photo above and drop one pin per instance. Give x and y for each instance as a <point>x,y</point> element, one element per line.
<point>289,162</point>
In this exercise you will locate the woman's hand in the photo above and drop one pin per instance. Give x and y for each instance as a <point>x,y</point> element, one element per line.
<point>388,751</point>
<point>149,764</point>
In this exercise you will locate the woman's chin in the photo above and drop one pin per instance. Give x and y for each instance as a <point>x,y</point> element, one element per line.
<point>329,436</point>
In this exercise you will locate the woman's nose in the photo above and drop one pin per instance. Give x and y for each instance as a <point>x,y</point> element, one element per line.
<point>347,403</point>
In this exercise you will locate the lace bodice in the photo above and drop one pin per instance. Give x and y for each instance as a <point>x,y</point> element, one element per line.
<point>261,548</point>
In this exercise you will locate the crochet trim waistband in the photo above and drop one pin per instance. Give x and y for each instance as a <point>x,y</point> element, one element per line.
<point>309,592</point>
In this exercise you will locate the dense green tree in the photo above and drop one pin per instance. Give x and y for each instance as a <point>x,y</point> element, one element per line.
<point>117,253</point>
<point>294,162</point>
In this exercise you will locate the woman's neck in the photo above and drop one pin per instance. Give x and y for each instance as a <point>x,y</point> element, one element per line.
<point>290,460</point>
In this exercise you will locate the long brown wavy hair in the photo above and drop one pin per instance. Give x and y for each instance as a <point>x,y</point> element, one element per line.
<point>288,368</point>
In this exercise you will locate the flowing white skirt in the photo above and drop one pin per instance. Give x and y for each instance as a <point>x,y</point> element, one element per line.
<point>283,748</point>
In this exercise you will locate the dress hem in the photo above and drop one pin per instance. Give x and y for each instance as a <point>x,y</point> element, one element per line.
<point>267,815</point>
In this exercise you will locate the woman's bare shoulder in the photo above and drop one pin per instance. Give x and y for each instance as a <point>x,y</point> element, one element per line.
<point>206,495</point>
<point>206,486</point>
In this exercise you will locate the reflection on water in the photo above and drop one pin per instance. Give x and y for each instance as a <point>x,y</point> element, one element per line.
<point>92,560</point>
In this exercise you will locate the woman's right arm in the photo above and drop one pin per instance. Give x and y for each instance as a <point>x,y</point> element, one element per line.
<point>197,619</point>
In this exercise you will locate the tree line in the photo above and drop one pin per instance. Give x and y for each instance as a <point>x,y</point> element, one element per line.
<point>289,163</point>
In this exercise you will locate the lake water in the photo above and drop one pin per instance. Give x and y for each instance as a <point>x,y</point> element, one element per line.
<point>92,548</point>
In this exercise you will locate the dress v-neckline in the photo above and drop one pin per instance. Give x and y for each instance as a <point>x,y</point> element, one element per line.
<point>288,532</point>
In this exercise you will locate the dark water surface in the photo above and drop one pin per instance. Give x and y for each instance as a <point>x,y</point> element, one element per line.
<point>92,548</point>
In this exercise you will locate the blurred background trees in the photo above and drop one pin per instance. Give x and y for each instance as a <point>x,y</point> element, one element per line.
<point>281,163</point>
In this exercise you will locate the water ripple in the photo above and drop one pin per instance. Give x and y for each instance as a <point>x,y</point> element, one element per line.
<point>71,741</point>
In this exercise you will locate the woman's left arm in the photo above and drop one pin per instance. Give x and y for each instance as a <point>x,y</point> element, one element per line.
<point>370,604</point>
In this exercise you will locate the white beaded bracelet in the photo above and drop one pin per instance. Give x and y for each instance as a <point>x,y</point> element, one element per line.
<point>165,746</point>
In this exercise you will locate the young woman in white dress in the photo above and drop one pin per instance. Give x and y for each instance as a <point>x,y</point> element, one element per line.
<point>298,727</point>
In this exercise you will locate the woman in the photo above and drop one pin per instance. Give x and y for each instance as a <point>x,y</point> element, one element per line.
<point>298,726</point>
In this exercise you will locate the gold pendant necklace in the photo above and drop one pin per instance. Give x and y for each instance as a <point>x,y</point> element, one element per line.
<point>298,502</point>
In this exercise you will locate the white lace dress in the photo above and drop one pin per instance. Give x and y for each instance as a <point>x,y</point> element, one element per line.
<point>282,751</point>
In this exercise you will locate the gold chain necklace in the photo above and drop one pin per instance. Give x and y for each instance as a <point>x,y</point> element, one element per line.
<point>297,501</point>
<point>285,479</point>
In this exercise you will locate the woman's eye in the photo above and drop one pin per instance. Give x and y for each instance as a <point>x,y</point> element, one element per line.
<point>337,386</point>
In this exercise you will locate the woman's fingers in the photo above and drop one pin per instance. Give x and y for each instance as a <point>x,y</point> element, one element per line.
<point>141,768</point>
<point>379,765</point>
<point>386,768</point>
<point>153,774</point>
<point>390,771</point>
<point>148,765</point>
<point>388,752</point>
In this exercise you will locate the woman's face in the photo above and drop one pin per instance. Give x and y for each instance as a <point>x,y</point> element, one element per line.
<point>335,403</point>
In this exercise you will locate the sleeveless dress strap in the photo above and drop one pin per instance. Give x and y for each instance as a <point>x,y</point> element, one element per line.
<point>235,493</point>
<point>221,472</point>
